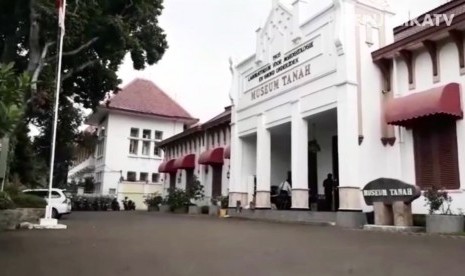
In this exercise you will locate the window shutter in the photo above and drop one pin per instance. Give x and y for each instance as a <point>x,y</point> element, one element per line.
<point>424,162</point>
<point>436,157</point>
<point>447,155</point>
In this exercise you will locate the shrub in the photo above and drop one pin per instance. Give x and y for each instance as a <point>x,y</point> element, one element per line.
<point>29,201</point>
<point>435,200</point>
<point>195,190</point>
<point>5,201</point>
<point>153,200</point>
<point>177,198</point>
<point>224,202</point>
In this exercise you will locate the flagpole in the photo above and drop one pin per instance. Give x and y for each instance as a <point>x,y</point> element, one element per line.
<point>48,213</point>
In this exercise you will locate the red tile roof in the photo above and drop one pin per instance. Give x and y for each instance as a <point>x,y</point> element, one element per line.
<point>143,96</point>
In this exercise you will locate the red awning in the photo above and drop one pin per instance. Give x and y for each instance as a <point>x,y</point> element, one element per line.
<point>442,101</point>
<point>185,162</point>
<point>212,157</point>
<point>167,166</point>
<point>227,152</point>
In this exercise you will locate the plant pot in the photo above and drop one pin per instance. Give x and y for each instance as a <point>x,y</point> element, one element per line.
<point>214,210</point>
<point>153,209</point>
<point>444,224</point>
<point>181,210</point>
<point>194,210</point>
<point>223,213</point>
<point>164,209</point>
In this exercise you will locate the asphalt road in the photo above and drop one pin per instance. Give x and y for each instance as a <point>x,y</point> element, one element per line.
<point>142,243</point>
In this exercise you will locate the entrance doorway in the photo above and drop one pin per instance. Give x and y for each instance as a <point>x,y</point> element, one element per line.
<point>313,178</point>
<point>172,180</point>
<point>189,178</point>
<point>216,181</point>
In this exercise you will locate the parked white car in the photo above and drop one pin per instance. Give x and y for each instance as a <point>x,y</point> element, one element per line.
<point>61,204</point>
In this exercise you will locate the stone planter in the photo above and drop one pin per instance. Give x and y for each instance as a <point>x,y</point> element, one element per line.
<point>10,219</point>
<point>444,224</point>
<point>223,213</point>
<point>181,210</point>
<point>194,210</point>
<point>153,209</point>
<point>164,209</point>
<point>214,210</point>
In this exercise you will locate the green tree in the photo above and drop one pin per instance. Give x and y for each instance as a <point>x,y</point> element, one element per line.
<point>99,34</point>
<point>12,89</point>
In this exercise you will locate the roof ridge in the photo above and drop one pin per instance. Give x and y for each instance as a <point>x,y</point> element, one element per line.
<point>171,98</point>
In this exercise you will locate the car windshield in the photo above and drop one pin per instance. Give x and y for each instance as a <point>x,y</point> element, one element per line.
<point>68,194</point>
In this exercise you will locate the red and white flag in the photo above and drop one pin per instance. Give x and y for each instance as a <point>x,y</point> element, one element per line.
<point>61,7</point>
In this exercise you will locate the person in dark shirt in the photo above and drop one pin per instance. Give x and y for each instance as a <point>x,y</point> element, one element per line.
<point>329,186</point>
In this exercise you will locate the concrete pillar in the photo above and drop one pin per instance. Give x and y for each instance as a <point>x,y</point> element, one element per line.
<point>350,211</point>
<point>237,191</point>
<point>299,159</point>
<point>263,164</point>
<point>383,214</point>
<point>402,214</point>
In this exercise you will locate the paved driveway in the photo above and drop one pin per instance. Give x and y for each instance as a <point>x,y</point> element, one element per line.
<point>141,243</point>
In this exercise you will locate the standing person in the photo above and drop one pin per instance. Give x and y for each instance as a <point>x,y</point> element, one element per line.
<point>328,185</point>
<point>285,193</point>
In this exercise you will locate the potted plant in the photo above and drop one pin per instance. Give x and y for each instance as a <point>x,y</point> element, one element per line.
<point>178,201</point>
<point>224,204</point>
<point>214,209</point>
<point>153,202</point>
<point>440,218</point>
<point>195,193</point>
<point>164,207</point>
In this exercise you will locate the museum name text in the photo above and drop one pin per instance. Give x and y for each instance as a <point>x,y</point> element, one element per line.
<point>280,82</point>
<point>388,192</point>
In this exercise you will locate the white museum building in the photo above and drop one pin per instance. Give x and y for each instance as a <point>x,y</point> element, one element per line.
<point>313,101</point>
<point>128,125</point>
<point>200,153</point>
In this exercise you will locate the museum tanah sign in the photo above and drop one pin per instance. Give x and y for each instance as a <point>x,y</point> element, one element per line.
<point>284,70</point>
<point>389,190</point>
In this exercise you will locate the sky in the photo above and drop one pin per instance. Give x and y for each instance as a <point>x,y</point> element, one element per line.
<point>203,35</point>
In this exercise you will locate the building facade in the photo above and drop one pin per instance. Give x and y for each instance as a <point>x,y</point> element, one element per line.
<point>201,152</point>
<point>422,78</point>
<point>303,104</point>
<point>331,95</point>
<point>128,126</point>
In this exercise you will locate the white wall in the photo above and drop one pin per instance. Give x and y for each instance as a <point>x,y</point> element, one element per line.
<point>448,72</point>
<point>117,155</point>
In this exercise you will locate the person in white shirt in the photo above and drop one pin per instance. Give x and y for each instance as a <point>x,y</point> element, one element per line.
<point>285,193</point>
<point>285,186</point>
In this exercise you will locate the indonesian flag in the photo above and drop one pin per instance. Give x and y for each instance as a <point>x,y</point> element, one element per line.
<point>61,7</point>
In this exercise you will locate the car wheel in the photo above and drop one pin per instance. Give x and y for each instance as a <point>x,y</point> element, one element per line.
<point>55,214</point>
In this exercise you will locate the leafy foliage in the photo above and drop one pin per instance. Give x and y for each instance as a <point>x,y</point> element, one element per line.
<point>5,201</point>
<point>437,200</point>
<point>153,200</point>
<point>99,34</point>
<point>12,90</point>
<point>224,202</point>
<point>195,190</point>
<point>28,201</point>
<point>177,198</point>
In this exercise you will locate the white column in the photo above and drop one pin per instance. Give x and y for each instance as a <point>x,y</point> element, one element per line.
<point>347,106</point>
<point>299,159</point>
<point>263,164</point>
<point>237,190</point>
